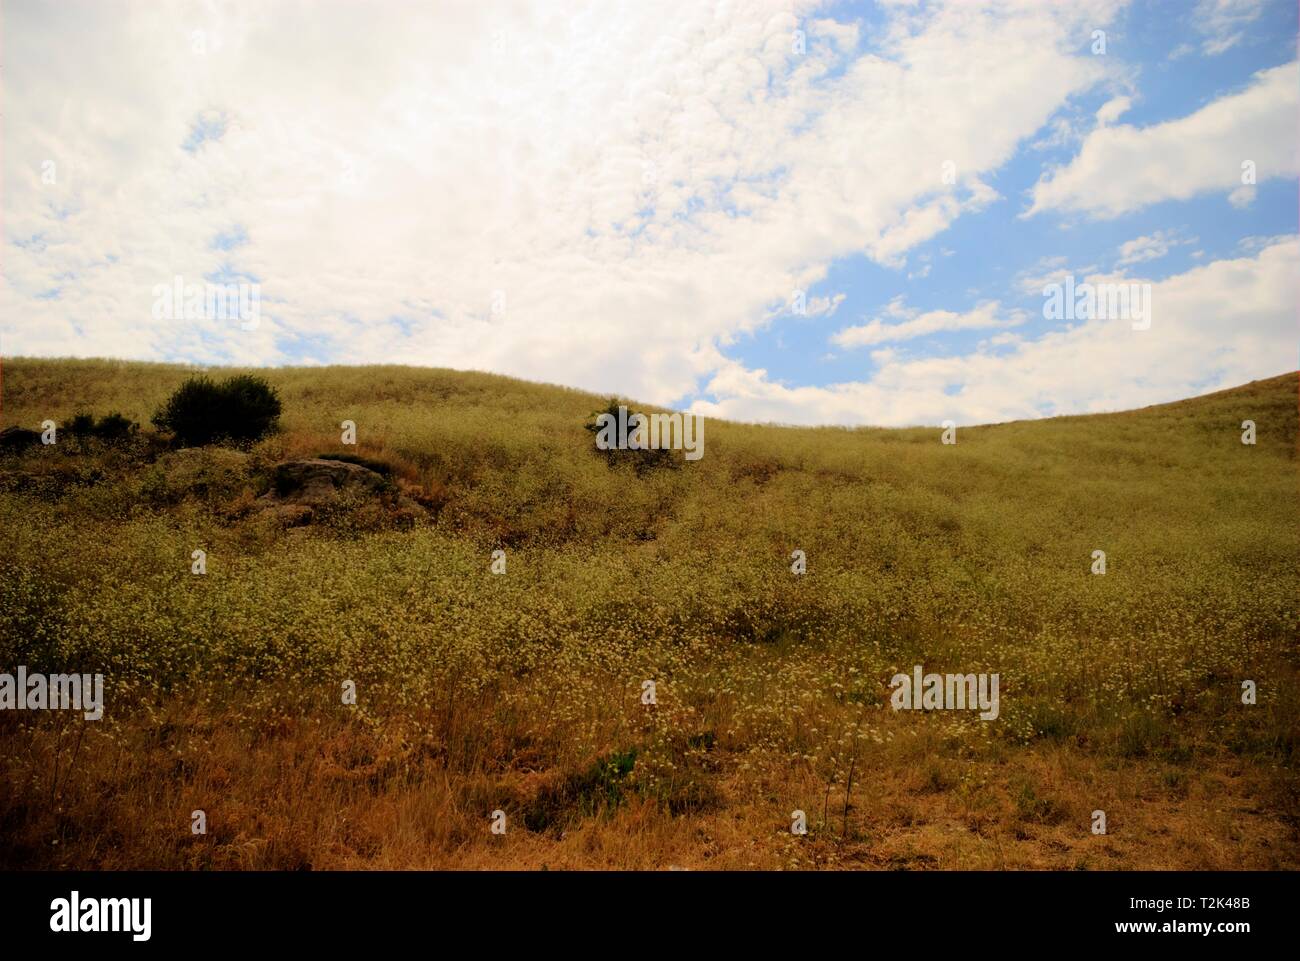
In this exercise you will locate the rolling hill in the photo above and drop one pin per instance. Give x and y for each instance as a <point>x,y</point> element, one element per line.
<point>516,681</point>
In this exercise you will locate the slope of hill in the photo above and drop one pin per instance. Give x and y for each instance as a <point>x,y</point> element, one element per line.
<point>523,692</point>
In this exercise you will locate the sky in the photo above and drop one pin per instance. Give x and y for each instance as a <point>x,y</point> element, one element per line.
<point>773,211</point>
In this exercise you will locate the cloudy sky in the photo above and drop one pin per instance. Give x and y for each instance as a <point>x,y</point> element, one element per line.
<point>636,198</point>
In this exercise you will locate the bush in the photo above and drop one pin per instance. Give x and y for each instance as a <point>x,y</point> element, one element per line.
<point>81,425</point>
<point>114,426</point>
<point>111,427</point>
<point>643,459</point>
<point>240,408</point>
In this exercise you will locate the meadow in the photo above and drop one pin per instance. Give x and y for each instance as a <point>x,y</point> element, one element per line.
<point>521,692</point>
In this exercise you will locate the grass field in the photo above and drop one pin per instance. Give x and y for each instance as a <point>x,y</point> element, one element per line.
<point>522,692</point>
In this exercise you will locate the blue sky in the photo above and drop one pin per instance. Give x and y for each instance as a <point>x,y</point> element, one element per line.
<point>625,200</point>
<point>981,255</point>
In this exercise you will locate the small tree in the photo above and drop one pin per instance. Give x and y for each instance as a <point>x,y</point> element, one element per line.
<point>240,408</point>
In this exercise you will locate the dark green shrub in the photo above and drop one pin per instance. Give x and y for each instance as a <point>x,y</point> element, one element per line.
<point>193,412</point>
<point>110,427</point>
<point>114,426</point>
<point>642,459</point>
<point>81,424</point>
<point>240,408</point>
<point>253,405</point>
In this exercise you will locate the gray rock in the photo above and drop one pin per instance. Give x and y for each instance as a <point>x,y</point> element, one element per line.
<point>299,487</point>
<point>318,481</point>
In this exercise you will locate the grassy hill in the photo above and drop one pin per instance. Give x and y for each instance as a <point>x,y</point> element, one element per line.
<point>522,691</point>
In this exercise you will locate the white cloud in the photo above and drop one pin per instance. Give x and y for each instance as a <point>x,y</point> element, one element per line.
<point>1216,326</point>
<point>824,306</point>
<point>923,324</point>
<point>656,175</point>
<point>1123,168</point>
<point>1047,270</point>
<point>1113,109</point>
<point>1223,22</point>
<point>1061,132</point>
<point>1149,247</point>
<point>1254,244</point>
<point>651,174</point>
<point>1242,197</point>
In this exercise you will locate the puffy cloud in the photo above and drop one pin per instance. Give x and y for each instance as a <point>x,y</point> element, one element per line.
<point>1122,168</point>
<point>1149,247</point>
<point>1093,366</point>
<point>1113,109</point>
<point>512,187</point>
<point>824,306</point>
<point>923,324</point>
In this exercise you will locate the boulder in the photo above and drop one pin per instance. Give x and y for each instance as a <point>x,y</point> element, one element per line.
<point>301,487</point>
<point>317,481</point>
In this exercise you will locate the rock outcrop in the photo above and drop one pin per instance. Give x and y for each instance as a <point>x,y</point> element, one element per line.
<point>301,487</point>
<point>317,481</point>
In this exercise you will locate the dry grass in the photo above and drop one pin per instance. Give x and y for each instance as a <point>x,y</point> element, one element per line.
<point>521,692</point>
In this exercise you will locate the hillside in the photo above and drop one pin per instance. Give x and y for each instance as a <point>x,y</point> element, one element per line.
<point>521,691</point>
